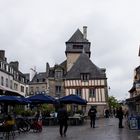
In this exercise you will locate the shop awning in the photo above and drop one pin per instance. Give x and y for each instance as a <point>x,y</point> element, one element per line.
<point>9,92</point>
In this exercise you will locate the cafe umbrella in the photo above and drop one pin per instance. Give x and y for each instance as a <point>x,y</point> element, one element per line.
<point>9,99</point>
<point>41,98</point>
<point>14,100</point>
<point>73,99</point>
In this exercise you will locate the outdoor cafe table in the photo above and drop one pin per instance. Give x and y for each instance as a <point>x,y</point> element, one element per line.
<point>75,120</point>
<point>50,121</point>
<point>72,120</point>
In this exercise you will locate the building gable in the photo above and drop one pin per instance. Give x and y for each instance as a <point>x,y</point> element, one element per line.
<point>85,65</point>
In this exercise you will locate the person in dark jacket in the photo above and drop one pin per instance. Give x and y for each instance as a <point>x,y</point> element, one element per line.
<point>92,114</point>
<point>120,117</point>
<point>107,113</point>
<point>62,118</point>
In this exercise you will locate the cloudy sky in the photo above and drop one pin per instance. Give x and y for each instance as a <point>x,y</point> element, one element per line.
<point>35,31</point>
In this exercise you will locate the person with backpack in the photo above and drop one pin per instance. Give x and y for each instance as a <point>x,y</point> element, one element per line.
<point>62,118</point>
<point>92,114</point>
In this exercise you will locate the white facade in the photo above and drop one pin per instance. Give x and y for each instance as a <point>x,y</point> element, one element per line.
<point>8,80</point>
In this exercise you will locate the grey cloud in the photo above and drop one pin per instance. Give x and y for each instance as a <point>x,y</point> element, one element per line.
<point>34,32</point>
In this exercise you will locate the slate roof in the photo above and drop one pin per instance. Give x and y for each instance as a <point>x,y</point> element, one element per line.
<point>77,37</point>
<point>39,77</point>
<point>62,66</point>
<point>85,65</point>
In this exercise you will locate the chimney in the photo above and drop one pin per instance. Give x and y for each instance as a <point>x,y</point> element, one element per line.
<point>2,55</point>
<point>15,65</point>
<point>85,32</point>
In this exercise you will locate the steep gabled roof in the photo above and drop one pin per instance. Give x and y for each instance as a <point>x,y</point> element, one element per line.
<point>85,65</point>
<point>77,37</point>
<point>39,77</point>
<point>62,66</point>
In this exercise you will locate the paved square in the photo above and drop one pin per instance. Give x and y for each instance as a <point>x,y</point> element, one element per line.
<point>106,129</point>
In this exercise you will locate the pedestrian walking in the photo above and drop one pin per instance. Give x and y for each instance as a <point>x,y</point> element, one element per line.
<point>120,116</point>
<point>107,113</point>
<point>114,112</point>
<point>92,114</point>
<point>62,118</point>
<point>38,120</point>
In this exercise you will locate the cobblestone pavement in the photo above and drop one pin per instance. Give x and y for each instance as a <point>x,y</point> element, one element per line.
<point>106,129</point>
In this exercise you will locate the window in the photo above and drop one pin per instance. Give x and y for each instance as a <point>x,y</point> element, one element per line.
<point>27,90</point>
<point>11,84</point>
<point>21,79</point>
<point>2,80</point>
<point>37,80</point>
<point>37,89</point>
<point>6,82</point>
<point>58,74</point>
<point>15,86</point>
<point>43,88</point>
<point>5,67</point>
<point>77,46</point>
<point>84,76</point>
<point>22,88</point>
<point>92,92</point>
<point>79,92</point>
<point>32,89</point>
<point>58,89</point>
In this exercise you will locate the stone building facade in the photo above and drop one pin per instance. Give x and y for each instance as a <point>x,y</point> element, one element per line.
<point>12,81</point>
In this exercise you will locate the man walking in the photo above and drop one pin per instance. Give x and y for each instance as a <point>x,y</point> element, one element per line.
<point>62,118</point>
<point>92,114</point>
<point>120,117</point>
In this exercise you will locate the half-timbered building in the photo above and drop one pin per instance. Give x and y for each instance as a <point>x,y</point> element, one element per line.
<point>78,74</point>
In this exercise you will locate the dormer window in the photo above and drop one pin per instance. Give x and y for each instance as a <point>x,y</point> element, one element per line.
<point>84,76</point>
<point>58,74</point>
